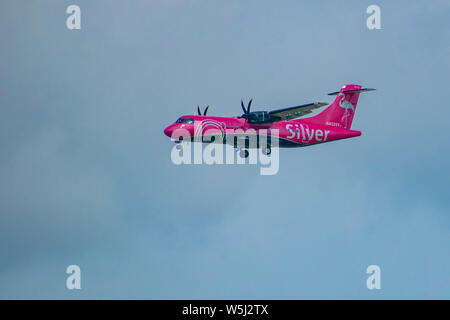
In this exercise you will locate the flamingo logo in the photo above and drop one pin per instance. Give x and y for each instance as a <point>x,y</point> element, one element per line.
<point>347,105</point>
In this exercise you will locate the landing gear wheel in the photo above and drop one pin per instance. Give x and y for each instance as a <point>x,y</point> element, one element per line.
<point>266,151</point>
<point>244,153</point>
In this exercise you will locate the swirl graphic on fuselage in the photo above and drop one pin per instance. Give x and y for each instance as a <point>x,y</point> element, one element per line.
<point>215,127</point>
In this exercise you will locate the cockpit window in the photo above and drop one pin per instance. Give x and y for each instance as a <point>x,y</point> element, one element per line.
<point>185,120</point>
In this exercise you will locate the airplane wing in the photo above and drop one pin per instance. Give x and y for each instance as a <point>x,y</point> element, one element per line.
<point>290,113</point>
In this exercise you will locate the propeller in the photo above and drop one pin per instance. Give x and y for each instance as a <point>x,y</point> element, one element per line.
<point>204,112</point>
<point>246,111</point>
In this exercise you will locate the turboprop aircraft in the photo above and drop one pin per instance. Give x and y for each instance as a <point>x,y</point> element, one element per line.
<point>333,123</point>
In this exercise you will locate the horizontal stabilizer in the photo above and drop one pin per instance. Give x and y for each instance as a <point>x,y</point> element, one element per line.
<point>351,91</point>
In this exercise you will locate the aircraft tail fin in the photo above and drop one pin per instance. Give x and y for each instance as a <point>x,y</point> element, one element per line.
<point>340,113</point>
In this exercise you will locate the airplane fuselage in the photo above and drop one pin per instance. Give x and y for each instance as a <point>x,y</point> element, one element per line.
<point>293,133</point>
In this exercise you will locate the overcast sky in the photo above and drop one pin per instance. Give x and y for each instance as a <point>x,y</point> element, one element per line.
<point>87,177</point>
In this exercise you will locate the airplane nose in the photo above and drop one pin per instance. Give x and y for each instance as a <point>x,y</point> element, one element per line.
<point>168,131</point>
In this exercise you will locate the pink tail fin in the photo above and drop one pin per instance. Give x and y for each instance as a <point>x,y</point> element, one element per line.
<point>340,113</point>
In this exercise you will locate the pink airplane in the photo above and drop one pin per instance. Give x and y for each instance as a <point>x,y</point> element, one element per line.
<point>333,123</point>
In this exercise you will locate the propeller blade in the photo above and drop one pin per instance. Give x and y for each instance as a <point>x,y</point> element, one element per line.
<point>243,107</point>
<point>249,104</point>
<point>206,111</point>
<point>198,110</point>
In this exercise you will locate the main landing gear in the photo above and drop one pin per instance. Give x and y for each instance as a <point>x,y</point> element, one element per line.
<point>266,150</point>
<point>244,153</point>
